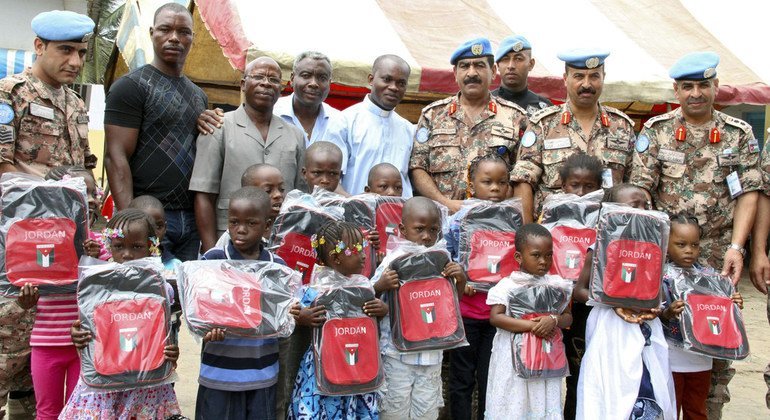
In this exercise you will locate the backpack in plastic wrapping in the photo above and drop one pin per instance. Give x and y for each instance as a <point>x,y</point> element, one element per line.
<point>300,218</point>
<point>247,298</point>
<point>572,222</point>
<point>346,346</point>
<point>359,210</point>
<point>711,324</point>
<point>42,230</point>
<point>126,309</point>
<point>629,256</point>
<point>387,218</point>
<point>424,310</point>
<point>535,357</point>
<point>487,234</point>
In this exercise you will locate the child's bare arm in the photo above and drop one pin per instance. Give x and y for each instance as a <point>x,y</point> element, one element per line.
<point>374,239</point>
<point>453,271</point>
<point>376,308</point>
<point>388,281</point>
<point>92,248</point>
<point>499,319</point>
<point>309,317</point>
<point>673,310</point>
<point>171,353</point>
<point>580,293</point>
<point>80,337</point>
<point>737,299</point>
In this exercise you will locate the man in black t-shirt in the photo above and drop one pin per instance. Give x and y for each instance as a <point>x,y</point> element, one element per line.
<point>514,62</point>
<point>150,126</point>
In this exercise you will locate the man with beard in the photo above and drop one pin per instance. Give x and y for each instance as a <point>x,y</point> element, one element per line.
<point>371,132</point>
<point>514,62</point>
<point>453,131</point>
<point>249,135</point>
<point>311,78</point>
<point>580,125</point>
<point>696,159</point>
<point>150,128</point>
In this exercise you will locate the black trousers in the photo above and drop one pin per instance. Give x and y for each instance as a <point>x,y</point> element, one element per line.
<point>468,366</point>
<point>575,347</point>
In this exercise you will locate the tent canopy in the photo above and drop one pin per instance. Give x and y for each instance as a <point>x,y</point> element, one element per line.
<point>645,38</point>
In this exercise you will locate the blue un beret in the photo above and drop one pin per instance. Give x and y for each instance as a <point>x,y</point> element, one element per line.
<point>63,25</point>
<point>695,66</point>
<point>513,43</point>
<point>584,58</point>
<point>478,47</point>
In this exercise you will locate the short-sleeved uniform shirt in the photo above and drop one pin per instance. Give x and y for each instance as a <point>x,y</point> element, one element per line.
<point>42,127</point>
<point>165,110</point>
<point>692,174</point>
<point>553,135</point>
<point>447,140</point>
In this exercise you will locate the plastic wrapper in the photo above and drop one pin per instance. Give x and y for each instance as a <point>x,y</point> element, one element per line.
<point>42,230</point>
<point>346,347</point>
<point>572,222</point>
<point>487,235</point>
<point>245,297</point>
<point>300,217</point>
<point>387,218</point>
<point>628,260</point>
<point>424,310</point>
<point>535,357</point>
<point>126,309</point>
<point>711,324</point>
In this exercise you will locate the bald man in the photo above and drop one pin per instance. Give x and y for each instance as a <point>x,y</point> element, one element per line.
<point>249,135</point>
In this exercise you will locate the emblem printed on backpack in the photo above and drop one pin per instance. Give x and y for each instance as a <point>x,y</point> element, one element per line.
<point>493,263</point>
<point>128,338</point>
<point>45,255</point>
<point>427,310</point>
<point>301,267</point>
<point>714,326</point>
<point>351,353</point>
<point>628,272</point>
<point>572,259</point>
<point>391,228</point>
<point>547,347</point>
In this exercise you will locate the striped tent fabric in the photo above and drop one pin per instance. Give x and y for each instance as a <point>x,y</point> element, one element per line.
<point>14,61</point>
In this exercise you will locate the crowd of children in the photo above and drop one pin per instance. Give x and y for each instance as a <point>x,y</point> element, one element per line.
<point>267,378</point>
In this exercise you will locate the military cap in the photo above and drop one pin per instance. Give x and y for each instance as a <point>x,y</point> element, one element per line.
<point>63,25</point>
<point>695,66</point>
<point>474,48</point>
<point>513,43</point>
<point>584,58</point>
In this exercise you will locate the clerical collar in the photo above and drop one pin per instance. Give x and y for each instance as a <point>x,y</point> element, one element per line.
<point>375,109</point>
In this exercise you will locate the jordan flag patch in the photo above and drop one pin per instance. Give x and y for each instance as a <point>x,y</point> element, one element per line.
<point>427,310</point>
<point>493,263</point>
<point>572,259</point>
<point>351,353</point>
<point>714,325</point>
<point>44,255</point>
<point>128,338</point>
<point>547,347</point>
<point>628,273</point>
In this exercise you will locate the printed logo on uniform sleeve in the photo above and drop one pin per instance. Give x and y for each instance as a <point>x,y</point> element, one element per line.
<point>642,143</point>
<point>6,113</point>
<point>422,135</point>
<point>753,146</point>
<point>529,139</point>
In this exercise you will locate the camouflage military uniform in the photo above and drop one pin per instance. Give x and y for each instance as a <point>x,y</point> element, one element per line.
<point>559,136</point>
<point>446,140</point>
<point>49,126</point>
<point>15,330</point>
<point>691,175</point>
<point>765,168</point>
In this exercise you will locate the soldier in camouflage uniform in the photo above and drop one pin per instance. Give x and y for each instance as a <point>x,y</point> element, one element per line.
<point>453,131</point>
<point>760,264</point>
<point>581,125</point>
<point>43,124</point>
<point>699,160</point>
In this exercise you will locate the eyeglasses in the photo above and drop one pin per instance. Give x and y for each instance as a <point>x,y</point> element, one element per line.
<point>259,78</point>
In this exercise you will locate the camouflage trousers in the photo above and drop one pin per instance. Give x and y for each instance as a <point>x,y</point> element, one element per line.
<point>15,331</point>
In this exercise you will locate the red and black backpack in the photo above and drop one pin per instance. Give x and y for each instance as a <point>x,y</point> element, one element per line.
<point>346,347</point>
<point>630,253</point>
<point>126,309</point>
<point>359,210</point>
<point>572,223</point>
<point>424,310</point>
<point>247,298</point>
<point>487,242</point>
<point>387,217</point>
<point>42,230</point>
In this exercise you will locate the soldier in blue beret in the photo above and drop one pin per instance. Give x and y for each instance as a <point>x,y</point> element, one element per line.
<point>43,124</point>
<point>514,62</point>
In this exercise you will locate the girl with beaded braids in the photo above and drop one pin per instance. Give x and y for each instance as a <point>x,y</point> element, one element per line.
<point>130,235</point>
<point>339,247</point>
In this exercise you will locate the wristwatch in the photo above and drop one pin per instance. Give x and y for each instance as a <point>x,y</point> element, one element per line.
<point>738,248</point>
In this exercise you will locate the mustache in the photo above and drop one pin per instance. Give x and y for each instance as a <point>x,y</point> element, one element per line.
<point>472,79</point>
<point>586,90</point>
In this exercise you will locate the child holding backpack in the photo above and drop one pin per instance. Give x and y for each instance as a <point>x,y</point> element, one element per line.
<point>509,395</point>
<point>339,248</point>
<point>130,235</point>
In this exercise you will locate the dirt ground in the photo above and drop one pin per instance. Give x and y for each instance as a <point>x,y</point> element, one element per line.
<point>748,387</point>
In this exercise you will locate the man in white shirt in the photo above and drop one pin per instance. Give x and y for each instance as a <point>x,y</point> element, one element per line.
<point>311,78</point>
<point>371,132</point>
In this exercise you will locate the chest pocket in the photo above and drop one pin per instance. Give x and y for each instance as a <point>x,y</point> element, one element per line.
<point>502,136</point>
<point>445,154</point>
<point>672,170</point>
<point>552,161</point>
